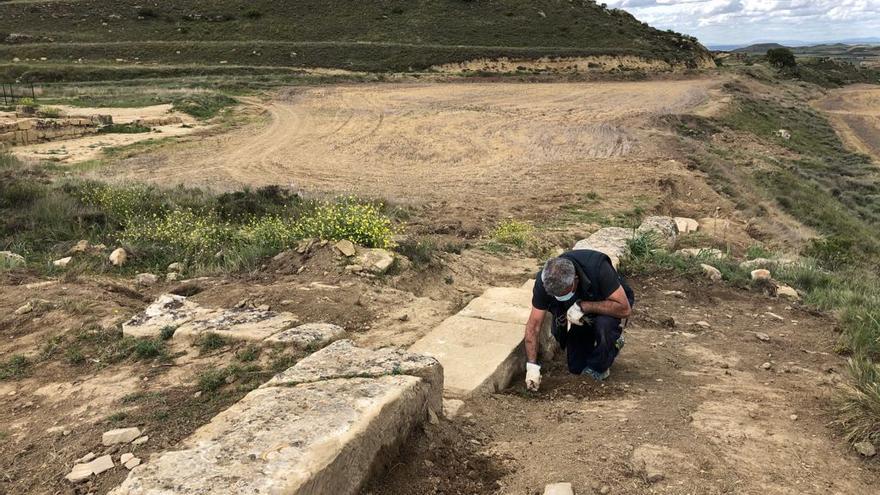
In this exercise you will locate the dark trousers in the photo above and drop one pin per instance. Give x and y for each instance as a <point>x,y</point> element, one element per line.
<point>593,346</point>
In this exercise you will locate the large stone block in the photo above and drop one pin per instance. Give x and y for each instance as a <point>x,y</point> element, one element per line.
<point>323,426</point>
<point>309,336</point>
<point>241,324</point>
<point>314,438</point>
<point>477,355</point>
<point>613,241</point>
<point>664,227</point>
<point>488,309</point>
<point>169,310</point>
<point>342,359</point>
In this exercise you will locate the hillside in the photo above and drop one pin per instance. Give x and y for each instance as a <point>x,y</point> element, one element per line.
<point>373,36</point>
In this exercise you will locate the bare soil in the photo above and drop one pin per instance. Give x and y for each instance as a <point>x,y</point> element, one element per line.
<point>855,113</point>
<point>471,151</point>
<point>687,410</point>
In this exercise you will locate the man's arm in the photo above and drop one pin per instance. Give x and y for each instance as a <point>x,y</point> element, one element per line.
<point>617,305</point>
<point>533,329</point>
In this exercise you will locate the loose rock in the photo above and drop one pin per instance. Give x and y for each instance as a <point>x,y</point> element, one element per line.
<point>346,247</point>
<point>118,257</point>
<point>81,472</point>
<point>175,267</point>
<point>120,435</point>
<point>145,279</point>
<point>865,448</point>
<point>686,225</point>
<point>126,457</point>
<point>376,261</point>
<point>762,336</point>
<point>786,291</point>
<point>767,366</point>
<point>25,309</point>
<point>559,489</point>
<point>63,262</point>
<point>80,247</point>
<point>172,277</point>
<point>712,253</point>
<point>711,272</point>
<point>133,463</point>
<point>761,274</point>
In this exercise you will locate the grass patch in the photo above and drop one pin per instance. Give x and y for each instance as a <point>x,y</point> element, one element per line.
<point>15,367</point>
<point>211,342</point>
<point>130,128</point>
<point>203,105</point>
<point>514,233</point>
<point>207,232</point>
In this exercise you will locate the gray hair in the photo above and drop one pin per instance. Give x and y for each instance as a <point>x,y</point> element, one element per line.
<point>558,276</point>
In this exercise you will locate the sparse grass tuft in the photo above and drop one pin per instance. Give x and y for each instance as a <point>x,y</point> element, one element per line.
<point>514,233</point>
<point>859,405</point>
<point>211,342</point>
<point>167,332</point>
<point>15,367</point>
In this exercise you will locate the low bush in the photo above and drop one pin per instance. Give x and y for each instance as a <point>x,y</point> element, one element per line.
<point>203,105</point>
<point>14,367</point>
<point>514,233</point>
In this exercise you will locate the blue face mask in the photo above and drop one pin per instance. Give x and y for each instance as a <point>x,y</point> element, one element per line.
<point>566,297</point>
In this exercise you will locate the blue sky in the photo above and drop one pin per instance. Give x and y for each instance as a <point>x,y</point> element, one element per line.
<point>741,21</point>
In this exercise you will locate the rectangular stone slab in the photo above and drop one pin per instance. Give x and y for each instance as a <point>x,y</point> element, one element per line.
<point>241,324</point>
<point>477,355</point>
<point>314,438</point>
<point>488,309</point>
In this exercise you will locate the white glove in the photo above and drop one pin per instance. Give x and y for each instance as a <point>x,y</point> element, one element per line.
<point>533,376</point>
<point>575,315</point>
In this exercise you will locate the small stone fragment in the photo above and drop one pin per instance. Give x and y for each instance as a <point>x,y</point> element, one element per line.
<point>559,489</point>
<point>80,247</point>
<point>25,309</point>
<point>761,274</point>
<point>432,417</point>
<point>101,464</point>
<point>346,247</point>
<point>763,337</point>
<point>120,435</point>
<point>140,440</point>
<point>704,324</point>
<point>63,262</point>
<point>711,272</point>
<point>80,472</point>
<point>865,448</point>
<point>775,316</point>
<point>145,279</point>
<point>604,490</point>
<point>172,277</point>
<point>86,458</point>
<point>786,291</point>
<point>686,225</point>
<point>126,457</point>
<point>118,257</point>
<point>793,417</point>
<point>133,463</point>
<point>767,366</point>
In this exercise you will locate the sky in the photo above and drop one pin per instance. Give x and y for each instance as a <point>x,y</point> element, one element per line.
<point>723,22</point>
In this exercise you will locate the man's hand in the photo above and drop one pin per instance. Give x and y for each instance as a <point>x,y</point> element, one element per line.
<point>533,377</point>
<point>617,305</point>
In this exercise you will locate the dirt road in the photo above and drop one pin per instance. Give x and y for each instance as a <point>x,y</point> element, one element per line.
<point>689,409</point>
<point>855,113</point>
<point>484,146</point>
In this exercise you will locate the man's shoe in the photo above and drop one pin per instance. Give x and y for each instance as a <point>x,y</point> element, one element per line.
<point>595,375</point>
<point>620,343</point>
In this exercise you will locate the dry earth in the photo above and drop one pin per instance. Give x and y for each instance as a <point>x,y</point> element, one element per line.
<point>687,410</point>
<point>469,149</point>
<point>855,113</point>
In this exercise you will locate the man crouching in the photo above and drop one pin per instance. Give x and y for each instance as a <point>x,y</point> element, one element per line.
<point>588,299</point>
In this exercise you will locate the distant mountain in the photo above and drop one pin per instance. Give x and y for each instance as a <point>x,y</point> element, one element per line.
<point>759,48</point>
<point>791,43</point>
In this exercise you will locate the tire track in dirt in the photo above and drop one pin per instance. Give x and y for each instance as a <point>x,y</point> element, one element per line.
<point>855,113</point>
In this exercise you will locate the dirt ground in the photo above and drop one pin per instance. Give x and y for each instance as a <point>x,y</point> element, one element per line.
<point>855,113</point>
<point>470,150</point>
<point>687,410</point>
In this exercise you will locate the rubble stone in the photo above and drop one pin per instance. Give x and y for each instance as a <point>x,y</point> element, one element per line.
<point>686,225</point>
<point>309,336</point>
<point>120,435</point>
<point>346,247</point>
<point>711,272</point>
<point>8,259</point>
<point>118,257</point>
<point>376,261</point>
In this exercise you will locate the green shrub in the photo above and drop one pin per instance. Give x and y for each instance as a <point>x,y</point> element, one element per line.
<point>203,105</point>
<point>148,349</point>
<point>211,342</point>
<point>420,252</point>
<point>167,332</point>
<point>859,404</point>
<point>514,233</point>
<point>361,223</point>
<point>782,58</point>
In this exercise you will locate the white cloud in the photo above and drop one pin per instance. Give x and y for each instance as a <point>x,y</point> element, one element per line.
<point>739,21</point>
